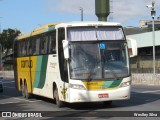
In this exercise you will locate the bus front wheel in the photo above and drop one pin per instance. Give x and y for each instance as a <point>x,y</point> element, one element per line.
<point>56,97</point>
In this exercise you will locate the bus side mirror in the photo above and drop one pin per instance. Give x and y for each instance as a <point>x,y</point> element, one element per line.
<point>132,47</point>
<point>66,49</point>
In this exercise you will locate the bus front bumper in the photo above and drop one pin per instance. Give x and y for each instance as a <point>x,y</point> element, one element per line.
<point>98,96</point>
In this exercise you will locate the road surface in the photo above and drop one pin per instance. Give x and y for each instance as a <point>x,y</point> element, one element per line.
<point>144,102</point>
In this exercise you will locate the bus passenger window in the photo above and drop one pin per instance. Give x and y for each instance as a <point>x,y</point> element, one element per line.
<point>34,47</point>
<point>30,48</point>
<point>43,44</point>
<point>27,47</point>
<point>37,46</point>
<point>52,43</point>
<point>24,49</point>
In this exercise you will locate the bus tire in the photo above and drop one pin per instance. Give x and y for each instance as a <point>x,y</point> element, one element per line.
<point>107,103</point>
<point>25,93</point>
<point>56,97</point>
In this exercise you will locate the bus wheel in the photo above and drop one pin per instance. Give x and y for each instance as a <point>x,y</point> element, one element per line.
<point>107,103</point>
<point>25,92</point>
<point>56,97</point>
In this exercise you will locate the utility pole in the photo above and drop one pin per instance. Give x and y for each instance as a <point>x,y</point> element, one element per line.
<point>81,9</point>
<point>153,14</point>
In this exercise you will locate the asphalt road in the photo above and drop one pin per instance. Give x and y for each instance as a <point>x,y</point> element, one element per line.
<point>144,102</point>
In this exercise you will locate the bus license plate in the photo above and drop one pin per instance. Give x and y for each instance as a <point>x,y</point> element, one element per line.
<point>103,95</point>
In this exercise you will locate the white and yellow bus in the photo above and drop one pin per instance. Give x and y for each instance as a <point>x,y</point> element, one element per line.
<point>74,62</point>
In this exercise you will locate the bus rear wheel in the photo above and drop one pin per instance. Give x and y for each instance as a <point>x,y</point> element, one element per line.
<point>25,93</point>
<point>56,97</point>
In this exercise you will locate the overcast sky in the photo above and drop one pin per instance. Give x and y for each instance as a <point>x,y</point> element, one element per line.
<point>123,10</point>
<point>25,15</point>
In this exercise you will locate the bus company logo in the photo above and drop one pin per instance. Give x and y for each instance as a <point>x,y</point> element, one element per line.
<point>6,114</point>
<point>64,90</point>
<point>26,64</point>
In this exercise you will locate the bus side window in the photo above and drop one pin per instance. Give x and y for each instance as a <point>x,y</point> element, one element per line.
<point>27,45</point>
<point>37,46</point>
<point>24,48</point>
<point>43,44</point>
<point>30,48</point>
<point>52,42</point>
<point>33,44</point>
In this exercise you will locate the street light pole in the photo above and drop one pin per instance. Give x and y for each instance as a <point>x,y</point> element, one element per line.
<point>153,13</point>
<point>81,9</point>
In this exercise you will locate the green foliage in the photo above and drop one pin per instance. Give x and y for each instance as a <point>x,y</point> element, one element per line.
<point>7,38</point>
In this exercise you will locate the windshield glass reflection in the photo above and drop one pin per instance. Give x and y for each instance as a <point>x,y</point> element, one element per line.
<point>101,60</point>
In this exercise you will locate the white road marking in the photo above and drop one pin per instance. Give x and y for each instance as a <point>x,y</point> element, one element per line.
<point>137,92</point>
<point>151,91</point>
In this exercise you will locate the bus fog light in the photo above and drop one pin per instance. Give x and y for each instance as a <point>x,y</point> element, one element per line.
<point>77,86</point>
<point>125,84</point>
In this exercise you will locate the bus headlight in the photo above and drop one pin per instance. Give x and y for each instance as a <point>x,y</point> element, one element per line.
<point>77,86</point>
<point>125,84</point>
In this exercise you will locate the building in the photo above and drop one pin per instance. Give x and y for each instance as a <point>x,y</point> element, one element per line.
<point>143,23</point>
<point>144,61</point>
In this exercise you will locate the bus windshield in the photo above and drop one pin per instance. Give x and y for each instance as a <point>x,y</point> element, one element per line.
<point>99,60</point>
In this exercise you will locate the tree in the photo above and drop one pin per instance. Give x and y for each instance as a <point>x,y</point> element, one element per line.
<point>7,38</point>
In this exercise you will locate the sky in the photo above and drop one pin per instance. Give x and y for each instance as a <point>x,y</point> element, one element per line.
<point>26,15</point>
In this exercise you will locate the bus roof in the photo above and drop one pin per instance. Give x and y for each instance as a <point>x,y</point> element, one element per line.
<point>39,30</point>
<point>53,26</point>
<point>96,23</point>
